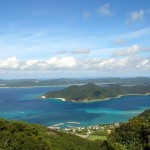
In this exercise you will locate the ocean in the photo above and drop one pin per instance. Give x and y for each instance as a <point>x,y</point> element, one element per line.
<point>25,104</point>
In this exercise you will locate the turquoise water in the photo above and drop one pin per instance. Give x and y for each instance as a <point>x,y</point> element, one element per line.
<point>25,104</point>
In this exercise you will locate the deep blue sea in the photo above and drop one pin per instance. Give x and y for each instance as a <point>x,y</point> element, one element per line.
<point>25,104</point>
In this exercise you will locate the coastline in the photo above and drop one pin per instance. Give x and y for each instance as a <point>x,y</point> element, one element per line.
<point>65,85</point>
<point>37,86</point>
<point>70,122</point>
<point>97,100</point>
<point>59,98</point>
<point>109,98</point>
<point>31,86</point>
<point>62,99</point>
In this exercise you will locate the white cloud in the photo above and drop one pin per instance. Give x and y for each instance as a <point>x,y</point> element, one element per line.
<point>144,64</point>
<point>78,51</point>
<point>81,51</point>
<point>135,16</point>
<point>135,34</point>
<point>146,49</point>
<point>105,10</point>
<point>28,64</point>
<point>10,63</point>
<point>61,63</point>
<point>128,63</point>
<point>62,52</point>
<point>128,51</point>
<point>119,41</point>
<point>50,64</point>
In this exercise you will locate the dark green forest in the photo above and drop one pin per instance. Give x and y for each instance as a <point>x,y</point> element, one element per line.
<point>17,135</point>
<point>70,81</point>
<point>90,91</point>
<point>132,135</point>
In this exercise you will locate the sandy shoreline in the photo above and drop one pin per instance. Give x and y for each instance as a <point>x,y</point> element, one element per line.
<point>119,96</point>
<point>62,99</point>
<point>59,98</point>
<point>86,101</point>
<point>70,122</point>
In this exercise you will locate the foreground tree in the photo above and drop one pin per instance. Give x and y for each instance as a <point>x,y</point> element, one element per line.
<point>135,134</point>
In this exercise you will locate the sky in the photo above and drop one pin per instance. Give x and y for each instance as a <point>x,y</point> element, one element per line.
<point>74,38</point>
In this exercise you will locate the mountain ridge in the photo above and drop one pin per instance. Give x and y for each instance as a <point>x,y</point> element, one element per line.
<point>91,91</point>
<point>72,81</point>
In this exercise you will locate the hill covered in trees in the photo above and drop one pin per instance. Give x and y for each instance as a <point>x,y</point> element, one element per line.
<point>16,135</point>
<point>132,135</point>
<point>145,114</point>
<point>90,91</point>
<point>70,81</point>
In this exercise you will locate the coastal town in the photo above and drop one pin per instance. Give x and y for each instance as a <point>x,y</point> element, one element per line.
<point>100,131</point>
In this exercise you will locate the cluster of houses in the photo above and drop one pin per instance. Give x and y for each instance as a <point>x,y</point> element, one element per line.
<point>86,130</point>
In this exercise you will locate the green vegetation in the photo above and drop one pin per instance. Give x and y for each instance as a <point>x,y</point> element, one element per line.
<point>101,132</point>
<point>20,135</point>
<point>97,137</point>
<point>15,135</point>
<point>133,135</point>
<point>65,81</point>
<point>89,92</point>
<point>145,114</point>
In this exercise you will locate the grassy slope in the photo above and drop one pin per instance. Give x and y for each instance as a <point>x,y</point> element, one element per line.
<point>97,137</point>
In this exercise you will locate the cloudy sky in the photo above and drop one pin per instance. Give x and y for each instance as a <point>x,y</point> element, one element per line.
<point>74,38</point>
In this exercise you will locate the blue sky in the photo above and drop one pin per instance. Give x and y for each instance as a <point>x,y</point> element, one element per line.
<point>67,38</point>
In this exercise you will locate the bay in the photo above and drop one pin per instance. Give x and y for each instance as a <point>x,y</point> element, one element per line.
<point>25,104</point>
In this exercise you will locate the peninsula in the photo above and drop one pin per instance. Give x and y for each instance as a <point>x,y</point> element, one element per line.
<point>91,91</point>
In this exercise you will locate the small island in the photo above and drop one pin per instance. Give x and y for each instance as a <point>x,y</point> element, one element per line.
<point>91,92</point>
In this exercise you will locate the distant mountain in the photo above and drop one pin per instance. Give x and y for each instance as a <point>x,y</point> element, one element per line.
<point>73,81</point>
<point>91,91</point>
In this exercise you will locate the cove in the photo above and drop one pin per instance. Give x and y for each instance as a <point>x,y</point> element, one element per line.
<point>24,104</point>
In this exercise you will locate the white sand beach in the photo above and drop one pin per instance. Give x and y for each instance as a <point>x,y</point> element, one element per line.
<point>62,99</point>
<point>43,97</point>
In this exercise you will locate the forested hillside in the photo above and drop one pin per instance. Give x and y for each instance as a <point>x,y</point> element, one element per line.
<point>16,135</point>
<point>132,135</point>
<point>91,91</point>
